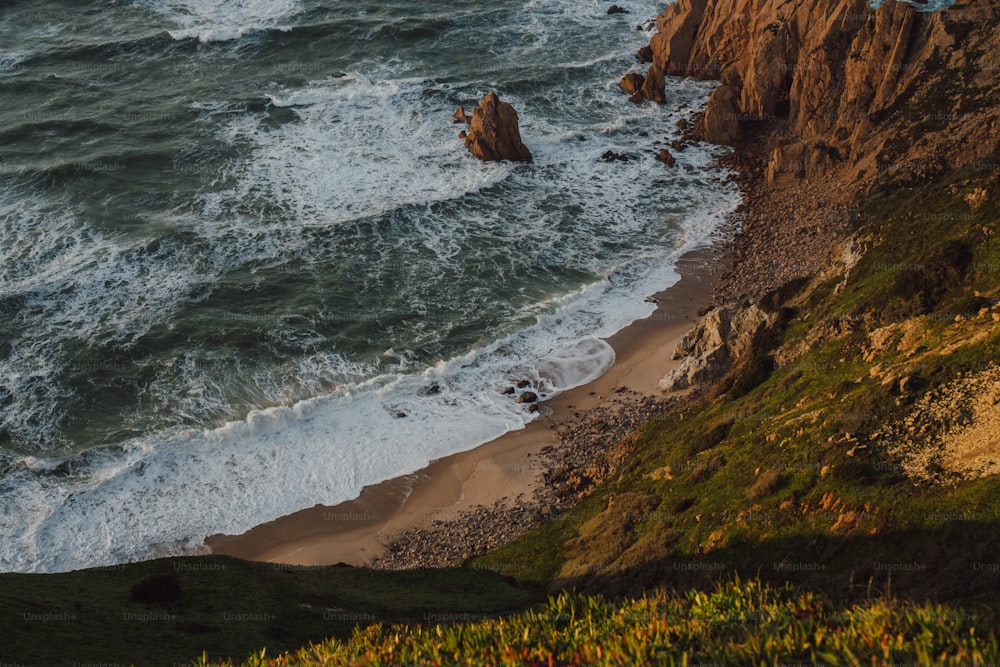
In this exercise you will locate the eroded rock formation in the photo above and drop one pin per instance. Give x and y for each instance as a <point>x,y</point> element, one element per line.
<point>493,132</point>
<point>720,124</point>
<point>833,72</point>
<point>709,350</point>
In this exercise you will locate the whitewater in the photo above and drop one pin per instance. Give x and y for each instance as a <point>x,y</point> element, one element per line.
<point>247,266</point>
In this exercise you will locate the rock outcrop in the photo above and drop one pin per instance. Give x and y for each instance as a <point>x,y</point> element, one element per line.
<point>832,73</point>
<point>493,132</point>
<point>631,83</point>
<point>654,87</point>
<point>709,350</point>
<point>720,124</point>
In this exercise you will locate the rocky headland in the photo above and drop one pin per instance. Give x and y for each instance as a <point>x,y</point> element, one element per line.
<point>835,112</point>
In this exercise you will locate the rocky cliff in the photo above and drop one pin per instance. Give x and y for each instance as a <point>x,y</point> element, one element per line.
<point>834,76</point>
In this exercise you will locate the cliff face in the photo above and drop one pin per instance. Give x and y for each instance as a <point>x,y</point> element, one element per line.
<point>836,75</point>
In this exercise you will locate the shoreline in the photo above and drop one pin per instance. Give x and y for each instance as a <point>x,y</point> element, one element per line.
<point>469,502</point>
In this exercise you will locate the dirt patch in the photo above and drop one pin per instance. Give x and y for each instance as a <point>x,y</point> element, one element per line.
<point>953,432</point>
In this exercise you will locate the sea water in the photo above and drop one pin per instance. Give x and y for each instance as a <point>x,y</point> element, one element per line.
<point>247,265</point>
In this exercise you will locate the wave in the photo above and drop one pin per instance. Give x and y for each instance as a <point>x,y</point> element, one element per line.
<point>163,491</point>
<point>224,20</point>
<point>920,5</point>
<point>333,294</point>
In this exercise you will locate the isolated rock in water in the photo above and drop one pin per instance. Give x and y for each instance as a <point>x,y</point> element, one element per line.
<point>666,158</point>
<point>527,397</point>
<point>461,117</point>
<point>493,132</point>
<point>631,83</point>
<point>721,121</point>
<point>615,9</point>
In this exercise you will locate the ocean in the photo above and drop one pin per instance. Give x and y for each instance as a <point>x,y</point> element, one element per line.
<point>247,265</point>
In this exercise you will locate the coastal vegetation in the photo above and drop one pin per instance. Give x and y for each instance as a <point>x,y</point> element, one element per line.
<point>740,623</point>
<point>832,498</point>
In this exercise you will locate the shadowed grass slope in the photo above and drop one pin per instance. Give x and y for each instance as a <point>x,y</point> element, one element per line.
<point>741,623</point>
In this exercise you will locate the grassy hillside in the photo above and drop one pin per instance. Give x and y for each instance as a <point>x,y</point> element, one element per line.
<point>800,468</point>
<point>167,612</point>
<point>738,624</point>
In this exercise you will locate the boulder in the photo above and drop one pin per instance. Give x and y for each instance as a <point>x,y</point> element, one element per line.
<point>802,160</point>
<point>709,350</point>
<point>666,158</point>
<point>615,9</point>
<point>720,123</point>
<point>611,156</point>
<point>631,83</point>
<point>645,54</point>
<point>493,132</point>
<point>527,397</point>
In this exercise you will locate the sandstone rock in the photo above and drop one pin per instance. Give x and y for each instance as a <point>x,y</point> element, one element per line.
<point>653,88</point>
<point>678,28</point>
<point>632,82</point>
<point>611,156</point>
<point>802,160</point>
<point>461,117</point>
<point>720,124</point>
<point>493,132</point>
<point>645,54</point>
<point>833,68</point>
<point>666,158</point>
<point>709,350</point>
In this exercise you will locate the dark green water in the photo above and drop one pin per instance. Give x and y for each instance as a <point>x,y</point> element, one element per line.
<point>238,240</point>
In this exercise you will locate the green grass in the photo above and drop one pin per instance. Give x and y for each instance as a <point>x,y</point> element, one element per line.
<point>787,461</point>
<point>232,606</point>
<point>779,480</point>
<point>740,623</point>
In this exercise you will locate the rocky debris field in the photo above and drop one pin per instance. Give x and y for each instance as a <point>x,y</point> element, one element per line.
<point>591,448</point>
<point>953,432</point>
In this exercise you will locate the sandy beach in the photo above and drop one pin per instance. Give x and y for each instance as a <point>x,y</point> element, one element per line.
<point>505,473</point>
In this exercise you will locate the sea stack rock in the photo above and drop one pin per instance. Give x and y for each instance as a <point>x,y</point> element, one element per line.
<point>493,133</point>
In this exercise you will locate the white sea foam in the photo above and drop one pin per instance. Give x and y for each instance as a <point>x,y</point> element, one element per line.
<point>361,148</point>
<point>920,5</point>
<point>11,62</point>
<point>223,20</point>
<point>72,284</point>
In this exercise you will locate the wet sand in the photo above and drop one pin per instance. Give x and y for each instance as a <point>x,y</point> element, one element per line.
<point>504,472</point>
